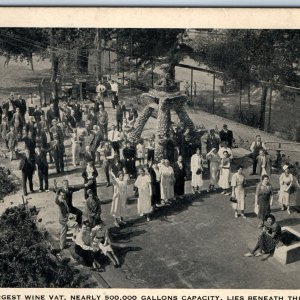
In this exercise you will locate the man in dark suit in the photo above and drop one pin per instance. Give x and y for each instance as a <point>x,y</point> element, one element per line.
<point>27,166</point>
<point>95,142</point>
<point>68,196</point>
<point>119,117</point>
<point>212,141</point>
<point>58,154</point>
<point>226,135</point>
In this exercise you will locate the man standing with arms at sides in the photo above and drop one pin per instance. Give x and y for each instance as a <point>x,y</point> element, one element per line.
<point>255,147</point>
<point>226,135</point>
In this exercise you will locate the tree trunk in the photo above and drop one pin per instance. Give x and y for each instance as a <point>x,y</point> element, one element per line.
<point>31,62</point>
<point>83,61</point>
<point>263,107</point>
<point>249,94</point>
<point>54,72</point>
<point>99,54</point>
<point>184,118</point>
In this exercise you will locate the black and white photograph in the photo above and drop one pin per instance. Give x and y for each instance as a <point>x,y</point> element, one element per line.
<point>149,157</point>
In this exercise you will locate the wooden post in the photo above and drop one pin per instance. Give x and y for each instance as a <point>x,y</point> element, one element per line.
<point>99,54</point>
<point>270,109</point>
<point>214,87</point>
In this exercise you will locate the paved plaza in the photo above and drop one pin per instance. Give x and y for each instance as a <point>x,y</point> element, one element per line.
<point>194,243</point>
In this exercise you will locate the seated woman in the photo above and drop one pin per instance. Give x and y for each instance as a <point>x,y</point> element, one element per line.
<point>100,240</point>
<point>268,239</point>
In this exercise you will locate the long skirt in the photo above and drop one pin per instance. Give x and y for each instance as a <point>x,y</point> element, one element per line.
<point>224,179</point>
<point>179,186</point>
<point>214,171</point>
<point>267,243</point>
<point>264,208</point>
<point>197,179</point>
<point>240,197</point>
<point>284,197</point>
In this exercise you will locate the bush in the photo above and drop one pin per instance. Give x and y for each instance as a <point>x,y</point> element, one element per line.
<point>25,257</point>
<point>7,184</point>
<point>205,101</point>
<point>249,115</point>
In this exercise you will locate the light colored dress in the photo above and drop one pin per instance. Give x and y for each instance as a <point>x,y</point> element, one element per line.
<point>140,151</point>
<point>284,181</point>
<point>196,163</point>
<point>238,182</point>
<point>118,207</point>
<point>214,167</point>
<point>224,173</point>
<point>167,181</point>
<point>143,183</point>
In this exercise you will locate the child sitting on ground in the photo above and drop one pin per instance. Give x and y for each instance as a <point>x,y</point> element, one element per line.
<point>100,240</point>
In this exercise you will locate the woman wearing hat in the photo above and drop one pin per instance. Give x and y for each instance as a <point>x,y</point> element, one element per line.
<point>118,207</point>
<point>285,182</point>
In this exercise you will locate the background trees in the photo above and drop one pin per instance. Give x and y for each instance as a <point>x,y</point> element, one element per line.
<point>267,57</point>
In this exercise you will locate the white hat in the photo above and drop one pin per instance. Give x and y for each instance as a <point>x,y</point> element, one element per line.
<point>285,167</point>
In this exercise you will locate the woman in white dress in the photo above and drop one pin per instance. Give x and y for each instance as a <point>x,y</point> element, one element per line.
<point>167,181</point>
<point>214,168</point>
<point>118,207</point>
<point>225,173</point>
<point>238,182</point>
<point>143,184</point>
<point>285,181</point>
<point>196,169</point>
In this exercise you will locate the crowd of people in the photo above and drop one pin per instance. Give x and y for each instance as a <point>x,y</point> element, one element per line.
<point>95,146</point>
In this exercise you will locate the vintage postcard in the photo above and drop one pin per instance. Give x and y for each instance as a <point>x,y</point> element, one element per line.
<point>149,154</point>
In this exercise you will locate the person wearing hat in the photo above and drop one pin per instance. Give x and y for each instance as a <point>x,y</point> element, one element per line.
<point>286,188</point>
<point>226,135</point>
<point>114,137</point>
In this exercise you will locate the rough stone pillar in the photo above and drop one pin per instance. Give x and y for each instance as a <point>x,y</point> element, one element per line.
<point>163,128</point>
<point>135,135</point>
<point>184,117</point>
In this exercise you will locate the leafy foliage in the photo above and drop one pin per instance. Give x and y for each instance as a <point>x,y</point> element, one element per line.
<point>7,185</point>
<point>25,256</point>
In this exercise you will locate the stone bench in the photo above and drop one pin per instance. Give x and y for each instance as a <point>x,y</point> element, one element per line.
<point>289,250</point>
